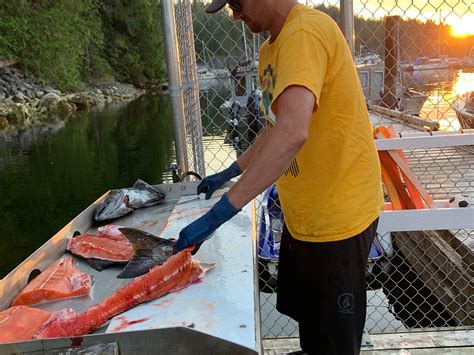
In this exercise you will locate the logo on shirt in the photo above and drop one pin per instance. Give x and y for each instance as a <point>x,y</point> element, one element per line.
<point>268,83</point>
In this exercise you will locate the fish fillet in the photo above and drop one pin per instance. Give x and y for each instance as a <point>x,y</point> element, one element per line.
<point>178,272</point>
<point>101,247</point>
<point>60,280</point>
<point>21,323</point>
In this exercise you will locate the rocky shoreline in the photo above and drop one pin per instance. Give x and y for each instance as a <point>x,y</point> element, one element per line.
<point>26,102</point>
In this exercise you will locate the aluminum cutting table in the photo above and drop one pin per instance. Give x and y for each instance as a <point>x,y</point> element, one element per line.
<point>219,314</point>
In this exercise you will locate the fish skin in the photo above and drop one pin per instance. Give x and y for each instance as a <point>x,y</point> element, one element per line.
<point>148,251</point>
<point>120,202</point>
<point>61,280</point>
<point>178,272</point>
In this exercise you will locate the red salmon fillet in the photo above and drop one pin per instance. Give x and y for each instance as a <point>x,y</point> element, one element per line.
<point>104,247</point>
<point>178,272</point>
<point>20,323</point>
<point>60,280</point>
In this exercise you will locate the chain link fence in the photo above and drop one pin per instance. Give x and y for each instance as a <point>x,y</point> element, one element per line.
<point>419,279</point>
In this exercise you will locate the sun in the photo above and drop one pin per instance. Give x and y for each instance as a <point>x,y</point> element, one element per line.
<point>463,28</point>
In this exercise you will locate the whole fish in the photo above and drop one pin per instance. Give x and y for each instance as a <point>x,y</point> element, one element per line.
<point>120,202</point>
<point>178,272</point>
<point>112,245</point>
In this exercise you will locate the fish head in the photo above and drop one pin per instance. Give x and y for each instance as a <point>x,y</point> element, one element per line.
<point>115,205</point>
<point>144,195</point>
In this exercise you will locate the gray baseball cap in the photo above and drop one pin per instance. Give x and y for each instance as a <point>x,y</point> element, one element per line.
<point>215,6</point>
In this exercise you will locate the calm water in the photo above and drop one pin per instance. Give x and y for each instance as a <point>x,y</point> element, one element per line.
<point>48,175</point>
<point>442,87</point>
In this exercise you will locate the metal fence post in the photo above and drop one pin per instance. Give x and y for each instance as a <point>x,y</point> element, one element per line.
<point>190,88</point>
<point>174,81</point>
<point>347,22</point>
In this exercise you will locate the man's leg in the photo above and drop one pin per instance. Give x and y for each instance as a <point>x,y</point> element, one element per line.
<point>331,293</point>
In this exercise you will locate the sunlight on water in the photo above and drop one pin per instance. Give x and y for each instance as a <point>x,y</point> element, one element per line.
<point>464,83</point>
<point>438,106</point>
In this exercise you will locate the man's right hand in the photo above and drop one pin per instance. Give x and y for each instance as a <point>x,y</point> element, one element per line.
<point>210,184</point>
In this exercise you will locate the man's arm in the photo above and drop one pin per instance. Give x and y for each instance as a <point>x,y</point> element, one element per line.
<point>247,156</point>
<point>278,147</point>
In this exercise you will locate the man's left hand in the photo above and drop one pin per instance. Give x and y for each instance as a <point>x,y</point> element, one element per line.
<point>204,227</point>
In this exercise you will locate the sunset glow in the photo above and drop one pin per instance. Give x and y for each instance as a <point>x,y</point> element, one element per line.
<point>463,28</point>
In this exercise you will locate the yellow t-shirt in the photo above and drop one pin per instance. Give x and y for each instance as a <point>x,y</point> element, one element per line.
<point>332,190</point>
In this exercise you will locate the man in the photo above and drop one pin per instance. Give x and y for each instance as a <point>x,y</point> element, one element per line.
<point>319,149</point>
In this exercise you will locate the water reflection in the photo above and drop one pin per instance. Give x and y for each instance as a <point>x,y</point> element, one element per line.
<point>49,174</point>
<point>442,88</point>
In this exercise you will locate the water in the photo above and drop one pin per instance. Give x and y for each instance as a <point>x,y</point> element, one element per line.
<point>442,87</point>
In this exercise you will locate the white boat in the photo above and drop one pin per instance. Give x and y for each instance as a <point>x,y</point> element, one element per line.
<point>372,81</point>
<point>442,62</point>
<point>463,105</point>
<point>215,79</point>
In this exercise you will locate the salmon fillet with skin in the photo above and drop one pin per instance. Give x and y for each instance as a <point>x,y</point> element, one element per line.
<point>20,323</point>
<point>60,280</point>
<point>178,272</point>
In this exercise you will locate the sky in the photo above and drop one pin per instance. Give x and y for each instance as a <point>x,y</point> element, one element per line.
<point>456,13</point>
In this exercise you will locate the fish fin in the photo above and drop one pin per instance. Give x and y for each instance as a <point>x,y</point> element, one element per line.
<point>137,267</point>
<point>205,267</point>
<point>148,251</point>
<point>100,264</point>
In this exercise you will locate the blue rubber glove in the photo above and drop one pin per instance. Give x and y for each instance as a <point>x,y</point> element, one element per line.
<point>204,227</point>
<point>213,182</point>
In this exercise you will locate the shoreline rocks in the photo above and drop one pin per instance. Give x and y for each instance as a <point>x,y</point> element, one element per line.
<point>25,101</point>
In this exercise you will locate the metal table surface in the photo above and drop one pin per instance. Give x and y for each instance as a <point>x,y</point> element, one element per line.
<point>224,305</point>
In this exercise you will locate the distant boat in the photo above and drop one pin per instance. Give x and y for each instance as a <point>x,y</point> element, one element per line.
<point>442,62</point>
<point>372,81</point>
<point>463,105</point>
<point>216,78</point>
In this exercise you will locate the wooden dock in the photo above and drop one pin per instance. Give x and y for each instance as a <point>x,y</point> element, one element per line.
<point>460,342</point>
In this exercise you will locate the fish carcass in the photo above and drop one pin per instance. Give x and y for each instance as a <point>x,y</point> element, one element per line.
<point>108,247</point>
<point>118,245</point>
<point>120,202</point>
<point>61,280</point>
<point>175,274</point>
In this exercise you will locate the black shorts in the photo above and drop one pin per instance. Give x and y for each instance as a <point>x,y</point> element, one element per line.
<point>323,287</point>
